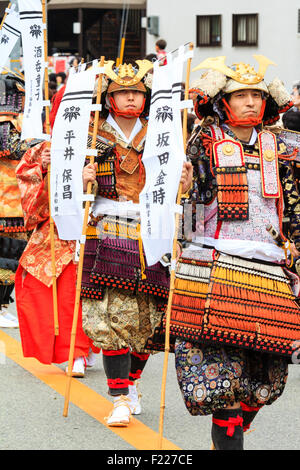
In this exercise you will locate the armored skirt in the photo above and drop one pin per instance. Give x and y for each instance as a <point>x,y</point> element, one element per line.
<point>235,324</point>
<point>120,306</point>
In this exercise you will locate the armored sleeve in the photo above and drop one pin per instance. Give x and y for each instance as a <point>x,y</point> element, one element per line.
<point>291,199</point>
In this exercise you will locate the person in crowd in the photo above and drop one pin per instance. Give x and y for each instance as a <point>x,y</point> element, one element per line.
<point>161,53</point>
<point>61,78</point>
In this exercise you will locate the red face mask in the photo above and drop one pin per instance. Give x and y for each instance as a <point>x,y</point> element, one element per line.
<point>250,122</point>
<point>126,114</point>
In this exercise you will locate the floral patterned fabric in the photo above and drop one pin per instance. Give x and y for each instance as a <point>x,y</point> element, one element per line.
<point>212,377</point>
<point>120,320</point>
<point>34,296</point>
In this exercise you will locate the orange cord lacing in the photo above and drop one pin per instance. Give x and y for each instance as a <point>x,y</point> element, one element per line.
<point>208,142</point>
<point>290,157</point>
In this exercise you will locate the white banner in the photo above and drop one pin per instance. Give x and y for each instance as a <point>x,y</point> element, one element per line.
<point>9,35</point>
<point>163,159</point>
<point>68,152</point>
<point>32,31</point>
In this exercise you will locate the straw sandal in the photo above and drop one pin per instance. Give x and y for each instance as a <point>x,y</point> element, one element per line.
<point>120,415</point>
<point>134,397</point>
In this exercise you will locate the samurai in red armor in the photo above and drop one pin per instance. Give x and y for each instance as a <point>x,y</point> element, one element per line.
<point>122,297</point>
<point>13,234</point>
<point>235,319</point>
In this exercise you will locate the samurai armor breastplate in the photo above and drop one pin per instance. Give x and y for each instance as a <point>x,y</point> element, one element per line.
<point>250,210</point>
<point>11,104</point>
<point>113,252</point>
<point>236,302</point>
<point>120,171</point>
<point>231,178</point>
<point>230,300</point>
<point>106,159</point>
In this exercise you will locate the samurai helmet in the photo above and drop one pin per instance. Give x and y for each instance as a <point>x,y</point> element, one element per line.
<point>220,80</point>
<point>127,77</point>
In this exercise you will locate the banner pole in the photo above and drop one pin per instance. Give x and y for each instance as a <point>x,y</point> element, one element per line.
<point>4,16</point>
<point>81,254</point>
<point>122,51</point>
<point>172,275</point>
<point>48,131</point>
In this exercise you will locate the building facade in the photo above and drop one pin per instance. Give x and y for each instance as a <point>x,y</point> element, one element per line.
<point>235,29</point>
<point>91,29</point>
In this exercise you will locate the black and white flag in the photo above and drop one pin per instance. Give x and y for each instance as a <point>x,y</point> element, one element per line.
<point>163,159</point>
<point>9,35</point>
<point>32,31</point>
<point>68,153</point>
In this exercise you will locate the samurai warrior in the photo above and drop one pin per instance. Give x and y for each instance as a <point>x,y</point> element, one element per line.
<point>235,317</point>
<point>122,297</point>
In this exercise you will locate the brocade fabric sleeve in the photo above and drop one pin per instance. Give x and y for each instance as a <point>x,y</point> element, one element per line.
<point>33,187</point>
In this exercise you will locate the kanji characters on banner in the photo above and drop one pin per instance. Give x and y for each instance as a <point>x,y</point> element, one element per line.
<point>163,159</point>
<point>68,153</point>
<point>32,27</point>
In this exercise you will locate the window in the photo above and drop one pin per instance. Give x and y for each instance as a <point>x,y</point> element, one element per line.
<point>245,30</point>
<point>208,30</point>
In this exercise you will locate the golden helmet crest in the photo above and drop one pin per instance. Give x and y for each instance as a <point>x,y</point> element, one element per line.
<point>241,72</point>
<point>125,75</point>
<point>240,75</point>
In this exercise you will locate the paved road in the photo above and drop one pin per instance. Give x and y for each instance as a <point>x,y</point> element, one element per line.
<point>31,412</point>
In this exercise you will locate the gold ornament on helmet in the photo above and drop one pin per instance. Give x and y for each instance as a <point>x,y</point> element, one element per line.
<point>125,75</point>
<point>243,73</point>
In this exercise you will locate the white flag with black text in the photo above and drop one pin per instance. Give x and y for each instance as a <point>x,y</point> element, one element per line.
<point>163,159</point>
<point>9,35</point>
<point>68,153</point>
<point>32,31</point>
